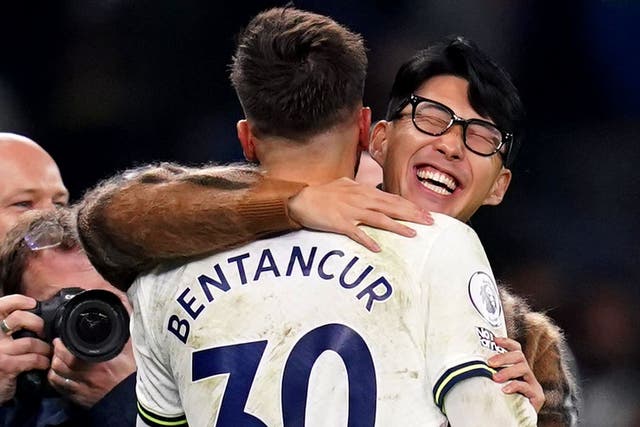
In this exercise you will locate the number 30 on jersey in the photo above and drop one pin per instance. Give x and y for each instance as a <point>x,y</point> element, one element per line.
<point>241,362</point>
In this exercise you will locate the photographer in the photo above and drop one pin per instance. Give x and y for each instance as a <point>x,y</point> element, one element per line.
<point>40,256</point>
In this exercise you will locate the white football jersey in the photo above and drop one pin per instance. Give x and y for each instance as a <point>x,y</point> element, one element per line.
<point>312,329</point>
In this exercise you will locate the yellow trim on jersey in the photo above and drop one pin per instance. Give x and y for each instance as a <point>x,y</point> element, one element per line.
<point>457,373</point>
<point>159,420</point>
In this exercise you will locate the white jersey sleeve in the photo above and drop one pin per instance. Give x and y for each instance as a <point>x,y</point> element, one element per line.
<point>158,400</point>
<point>479,402</point>
<point>464,314</point>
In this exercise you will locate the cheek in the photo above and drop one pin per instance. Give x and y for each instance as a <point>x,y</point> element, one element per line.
<point>482,185</point>
<point>393,178</point>
<point>485,171</point>
<point>4,227</point>
<point>396,166</point>
<point>8,219</point>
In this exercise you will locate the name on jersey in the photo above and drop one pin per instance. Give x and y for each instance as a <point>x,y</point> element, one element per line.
<point>348,272</point>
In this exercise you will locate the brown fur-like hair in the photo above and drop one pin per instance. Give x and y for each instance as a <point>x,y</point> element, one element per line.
<point>297,73</point>
<point>546,351</point>
<point>14,252</point>
<point>163,213</point>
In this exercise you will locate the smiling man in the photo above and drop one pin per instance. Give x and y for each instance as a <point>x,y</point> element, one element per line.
<point>280,303</point>
<point>446,146</point>
<point>432,156</point>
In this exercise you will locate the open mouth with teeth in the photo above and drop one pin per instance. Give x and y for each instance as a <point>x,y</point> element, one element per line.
<point>437,181</point>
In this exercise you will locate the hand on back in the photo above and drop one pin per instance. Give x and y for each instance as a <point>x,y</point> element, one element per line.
<point>341,205</point>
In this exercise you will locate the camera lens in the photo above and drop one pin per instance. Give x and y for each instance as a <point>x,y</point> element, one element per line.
<point>94,325</point>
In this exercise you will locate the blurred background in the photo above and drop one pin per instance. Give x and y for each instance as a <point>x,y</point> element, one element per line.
<point>106,85</point>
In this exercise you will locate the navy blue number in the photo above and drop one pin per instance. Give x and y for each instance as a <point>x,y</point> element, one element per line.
<point>241,362</point>
<point>360,371</point>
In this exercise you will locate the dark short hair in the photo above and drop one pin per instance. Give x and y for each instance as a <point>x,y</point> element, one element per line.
<point>491,92</point>
<point>297,73</point>
<point>14,253</point>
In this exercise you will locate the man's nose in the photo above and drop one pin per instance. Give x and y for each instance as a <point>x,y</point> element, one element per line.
<point>451,144</point>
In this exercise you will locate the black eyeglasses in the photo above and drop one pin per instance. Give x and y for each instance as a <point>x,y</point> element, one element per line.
<point>433,118</point>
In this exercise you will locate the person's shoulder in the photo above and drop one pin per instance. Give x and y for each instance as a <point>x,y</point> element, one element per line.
<point>446,235</point>
<point>444,225</point>
<point>159,282</point>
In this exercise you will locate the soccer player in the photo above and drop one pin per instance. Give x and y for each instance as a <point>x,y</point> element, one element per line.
<point>312,326</point>
<point>188,215</point>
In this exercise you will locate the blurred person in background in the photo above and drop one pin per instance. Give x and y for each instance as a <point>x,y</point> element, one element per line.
<point>29,180</point>
<point>607,321</point>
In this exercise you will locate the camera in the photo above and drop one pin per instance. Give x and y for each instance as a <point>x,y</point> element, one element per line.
<point>93,324</point>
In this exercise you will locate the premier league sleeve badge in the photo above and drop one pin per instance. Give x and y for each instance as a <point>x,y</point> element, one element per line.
<point>484,296</point>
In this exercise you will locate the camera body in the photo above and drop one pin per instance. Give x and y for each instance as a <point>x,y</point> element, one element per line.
<point>93,324</point>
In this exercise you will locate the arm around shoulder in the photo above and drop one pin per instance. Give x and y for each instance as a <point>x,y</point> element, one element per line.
<point>143,217</point>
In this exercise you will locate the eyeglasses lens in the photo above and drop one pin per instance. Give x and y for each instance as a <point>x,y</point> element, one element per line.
<point>45,237</point>
<point>433,119</point>
<point>483,139</point>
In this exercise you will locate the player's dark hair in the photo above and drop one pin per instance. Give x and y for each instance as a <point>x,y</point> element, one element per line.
<point>491,92</point>
<point>297,73</point>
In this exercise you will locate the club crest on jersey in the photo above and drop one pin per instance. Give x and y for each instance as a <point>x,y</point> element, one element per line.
<point>484,297</point>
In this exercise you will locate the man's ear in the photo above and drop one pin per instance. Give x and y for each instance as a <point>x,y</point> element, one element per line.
<point>364,124</point>
<point>379,142</point>
<point>247,140</point>
<point>499,188</point>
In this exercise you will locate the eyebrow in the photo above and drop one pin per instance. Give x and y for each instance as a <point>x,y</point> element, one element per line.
<point>32,191</point>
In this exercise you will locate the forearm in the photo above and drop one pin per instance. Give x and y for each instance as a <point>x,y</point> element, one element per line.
<point>478,402</point>
<point>129,225</point>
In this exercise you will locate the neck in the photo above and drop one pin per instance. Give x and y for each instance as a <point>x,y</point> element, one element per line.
<point>317,160</point>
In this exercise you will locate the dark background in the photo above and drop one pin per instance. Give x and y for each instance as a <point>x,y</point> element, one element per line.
<point>106,85</point>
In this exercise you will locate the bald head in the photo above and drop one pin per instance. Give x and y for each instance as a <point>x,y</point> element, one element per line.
<point>29,179</point>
